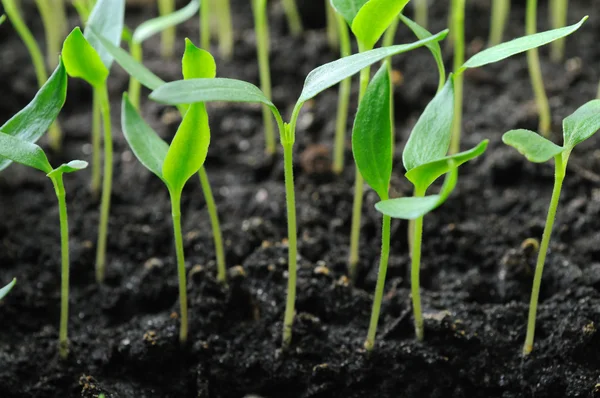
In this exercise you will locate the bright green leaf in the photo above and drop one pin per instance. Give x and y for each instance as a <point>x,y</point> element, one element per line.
<point>35,119</point>
<point>581,124</point>
<point>197,63</point>
<point>4,291</point>
<point>71,167</point>
<point>516,46</point>
<point>107,20</point>
<point>533,146</point>
<point>348,8</point>
<point>374,18</point>
<point>156,25</point>
<point>189,148</point>
<point>424,175</point>
<point>372,134</point>
<point>146,145</point>
<point>430,138</point>
<point>23,152</point>
<point>82,61</point>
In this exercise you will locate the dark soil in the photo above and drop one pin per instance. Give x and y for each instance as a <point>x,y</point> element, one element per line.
<point>476,276</point>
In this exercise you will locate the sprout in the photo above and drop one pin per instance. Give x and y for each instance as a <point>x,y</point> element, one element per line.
<point>6,289</point>
<point>558,19</point>
<point>15,145</point>
<point>167,40</point>
<point>421,13</point>
<point>577,127</point>
<point>293,17</point>
<point>500,15</point>
<point>222,10</point>
<point>343,96</point>
<point>54,19</point>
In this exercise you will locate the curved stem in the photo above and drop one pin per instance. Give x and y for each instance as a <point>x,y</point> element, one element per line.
<point>167,44</point>
<point>421,13</point>
<point>500,14</point>
<point>183,304</point>
<point>539,267</point>
<point>214,222</point>
<point>96,143</point>
<point>134,85</point>
<point>343,98</point>
<point>458,23</point>
<point>293,17</point>
<point>225,29</point>
<point>205,24</point>
<point>415,272</point>
<point>558,19</point>
<point>106,184</point>
<point>535,72</point>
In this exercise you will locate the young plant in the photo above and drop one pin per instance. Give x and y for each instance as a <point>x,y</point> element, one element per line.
<point>500,15</point>
<point>458,41</point>
<point>54,19</point>
<point>293,17</point>
<point>176,163</point>
<point>343,96</point>
<point>421,13</point>
<point>16,145</point>
<point>6,289</point>
<point>167,40</point>
<point>577,127</point>
<point>231,90</point>
<point>222,9</point>
<point>558,19</point>
<point>11,9</point>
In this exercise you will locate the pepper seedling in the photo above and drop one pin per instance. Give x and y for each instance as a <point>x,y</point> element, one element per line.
<point>499,18</point>
<point>577,127</point>
<point>558,19</point>
<point>425,160</point>
<point>167,39</point>
<point>222,10</point>
<point>6,289</point>
<point>293,17</point>
<point>15,146</point>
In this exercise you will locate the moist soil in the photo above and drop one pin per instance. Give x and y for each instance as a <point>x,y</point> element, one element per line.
<point>476,273</point>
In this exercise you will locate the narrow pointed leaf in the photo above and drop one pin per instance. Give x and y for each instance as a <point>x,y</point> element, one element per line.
<point>33,121</point>
<point>424,175</point>
<point>348,8</point>
<point>581,124</point>
<point>23,152</point>
<point>82,61</point>
<point>516,46</point>
<point>197,63</point>
<point>430,138</point>
<point>372,134</point>
<point>6,289</point>
<point>156,25</point>
<point>533,146</point>
<point>146,145</point>
<point>374,18</point>
<point>107,20</point>
<point>189,148</point>
<point>327,75</point>
<point>71,167</point>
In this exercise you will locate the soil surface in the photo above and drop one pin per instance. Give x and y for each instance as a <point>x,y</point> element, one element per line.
<point>476,272</point>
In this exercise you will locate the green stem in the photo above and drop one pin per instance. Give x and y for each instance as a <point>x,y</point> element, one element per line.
<point>288,321</point>
<point>225,29</point>
<point>415,272</point>
<point>458,22</point>
<point>214,222</point>
<point>388,40</point>
<point>535,72</point>
<point>558,13</point>
<point>598,94</point>
<point>54,21</point>
<point>63,340</point>
<point>183,304</point>
<point>332,26</point>
<point>500,14</point>
<point>261,26</point>
<point>83,8</point>
<point>421,12</point>
<point>293,17</point>
<point>134,84</point>
<point>560,168</point>
<point>167,48</point>
<point>96,143</point>
<point>343,98</point>
<point>205,24</point>
<point>106,184</point>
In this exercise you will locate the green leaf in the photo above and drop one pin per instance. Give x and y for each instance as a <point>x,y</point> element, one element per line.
<point>581,124</point>
<point>189,148</point>
<point>157,25</point>
<point>131,66</point>
<point>35,119</point>
<point>327,75</point>
<point>24,152</point>
<point>533,146</point>
<point>4,291</point>
<point>372,134</point>
<point>516,46</point>
<point>82,61</point>
<point>424,175</point>
<point>348,8</point>
<point>2,19</point>
<point>146,145</point>
<point>107,20</point>
<point>410,208</point>
<point>374,18</point>
<point>197,63</point>
<point>71,167</point>
<point>430,138</point>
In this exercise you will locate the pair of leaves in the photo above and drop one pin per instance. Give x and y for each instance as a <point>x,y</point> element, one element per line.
<point>153,26</point>
<point>578,127</point>
<point>6,289</point>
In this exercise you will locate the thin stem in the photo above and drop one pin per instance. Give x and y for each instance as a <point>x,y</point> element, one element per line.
<point>63,340</point>
<point>205,24</point>
<point>134,84</point>
<point>214,222</point>
<point>560,166</point>
<point>96,143</point>
<point>415,272</point>
<point>500,14</point>
<point>261,26</point>
<point>343,97</point>
<point>225,29</point>
<point>421,12</point>
<point>183,304</point>
<point>332,25</point>
<point>535,72</point>
<point>293,17</point>
<point>290,197</point>
<point>388,40</point>
<point>458,23</point>
<point>167,44</point>
<point>598,94</point>
<point>106,184</point>
<point>54,21</point>
<point>558,13</point>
